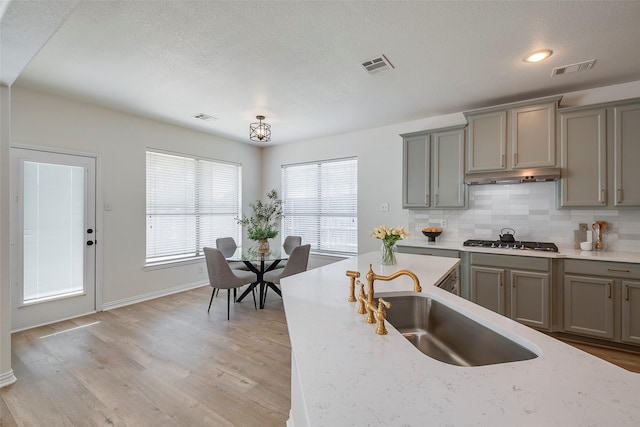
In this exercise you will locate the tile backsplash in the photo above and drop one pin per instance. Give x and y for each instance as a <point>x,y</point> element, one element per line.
<point>529,209</point>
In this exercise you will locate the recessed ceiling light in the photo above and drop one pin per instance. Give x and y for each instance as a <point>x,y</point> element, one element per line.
<point>537,56</point>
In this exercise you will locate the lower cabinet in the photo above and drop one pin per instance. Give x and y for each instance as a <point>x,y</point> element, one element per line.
<point>600,302</point>
<point>631,312</point>
<point>514,286</point>
<point>588,306</point>
<point>452,282</point>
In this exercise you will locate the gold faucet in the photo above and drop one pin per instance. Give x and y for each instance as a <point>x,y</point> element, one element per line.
<point>371,277</point>
<point>370,309</point>
<point>353,275</point>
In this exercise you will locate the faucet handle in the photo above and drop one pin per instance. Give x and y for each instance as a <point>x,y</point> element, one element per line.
<point>381,315</point>
<point>353,275</point>
<point>362,297</point>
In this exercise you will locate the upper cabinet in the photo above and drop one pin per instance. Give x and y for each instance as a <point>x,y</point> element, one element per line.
<point>433,169</point>
<point>600,146</point>
<point>512,136</point>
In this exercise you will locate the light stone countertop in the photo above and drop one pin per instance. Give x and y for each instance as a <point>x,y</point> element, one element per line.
<point>611,256</point>
<point>344,374</point>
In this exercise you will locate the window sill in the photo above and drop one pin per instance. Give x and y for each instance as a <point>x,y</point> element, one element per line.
<point>170,264</point>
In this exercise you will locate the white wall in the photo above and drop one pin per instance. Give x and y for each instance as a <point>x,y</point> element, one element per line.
<point>121,140</point>
<point>379,153</point>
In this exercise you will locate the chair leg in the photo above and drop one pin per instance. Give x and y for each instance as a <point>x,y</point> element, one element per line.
<point>228,301</point>
<point>253,291</point>
<point>264,297</point>
<point>235,295</point>
<point>211,300</point>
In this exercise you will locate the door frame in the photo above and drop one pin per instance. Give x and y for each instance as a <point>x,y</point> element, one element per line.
<point>99,212</point>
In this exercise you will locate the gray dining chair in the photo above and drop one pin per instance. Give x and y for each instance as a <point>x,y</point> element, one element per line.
<point>298,262</point>
<point>222,277</point>
<point>227,245</point>
<point>289,243</point>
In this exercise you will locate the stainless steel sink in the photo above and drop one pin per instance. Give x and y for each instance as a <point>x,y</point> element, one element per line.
<point>444,334</point>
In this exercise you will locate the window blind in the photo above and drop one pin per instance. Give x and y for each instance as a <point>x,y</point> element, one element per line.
<point>320,204</point>
<point>190,203</point>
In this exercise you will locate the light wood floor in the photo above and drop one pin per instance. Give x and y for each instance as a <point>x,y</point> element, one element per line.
<point>164,362</point>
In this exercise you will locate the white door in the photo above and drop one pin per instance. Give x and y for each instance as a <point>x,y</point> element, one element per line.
<point>54,237</point>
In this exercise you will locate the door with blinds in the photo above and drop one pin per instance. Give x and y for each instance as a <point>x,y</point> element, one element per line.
<point>54,270</point>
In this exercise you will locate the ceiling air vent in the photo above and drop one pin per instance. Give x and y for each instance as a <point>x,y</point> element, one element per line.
<point>580,66</point>
<point>205,117</point>
<point>377,65</point>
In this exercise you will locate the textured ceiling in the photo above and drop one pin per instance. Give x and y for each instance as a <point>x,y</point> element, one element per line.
<point>298,63</point>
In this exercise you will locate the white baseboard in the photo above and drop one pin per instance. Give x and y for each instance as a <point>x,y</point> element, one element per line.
<point>152,295</point>
<point>7,378</point>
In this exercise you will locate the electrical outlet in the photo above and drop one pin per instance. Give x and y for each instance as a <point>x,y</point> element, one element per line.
<point>384,207</point>
<point>443,223</point>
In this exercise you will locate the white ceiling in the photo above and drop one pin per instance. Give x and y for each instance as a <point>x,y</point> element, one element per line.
<point>299,62</point>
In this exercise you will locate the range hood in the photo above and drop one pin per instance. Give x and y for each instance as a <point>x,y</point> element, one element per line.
<point>513,176</point>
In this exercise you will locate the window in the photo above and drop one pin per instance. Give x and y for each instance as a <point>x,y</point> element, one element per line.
<point>190,203</point>
<point>320,203</point>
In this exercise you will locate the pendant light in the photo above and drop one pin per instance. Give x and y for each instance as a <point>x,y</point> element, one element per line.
<point>260,131</point>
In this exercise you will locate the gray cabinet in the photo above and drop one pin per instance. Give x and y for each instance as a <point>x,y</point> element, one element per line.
<point>583,148</point>
<point>512,136</point>
<point>452,282</point>
<point>514,286</point>
<point>631,312</point>
<point>433,169</point>
<point>588,306</point>
<point>602,300</point>
<point>626,155</point>
<point>599,148</point>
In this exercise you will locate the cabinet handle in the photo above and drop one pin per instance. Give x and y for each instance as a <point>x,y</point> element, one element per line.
<point>427,198</point>
<point>515,159</point>
<point>628,296</point>
<point>437,199</point>
<point>603,194</point>
<point>619,195</point>
<point>619,271</point>
<point>609,290</point>
<point>502,161</point>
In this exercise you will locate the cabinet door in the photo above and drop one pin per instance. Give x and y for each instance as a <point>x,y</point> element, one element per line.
<point>631,312</point>
<point>487,288</point>
<point>530,299</point>
<point>415,172</point>
<point>487,142</point>
<point>533,136</point>
<point>626,155</point>
<point>588,306</point>
<point>583,138</point>
<point>447,177</point>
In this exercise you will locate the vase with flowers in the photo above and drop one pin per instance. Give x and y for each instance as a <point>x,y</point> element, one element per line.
<point>389,237</point>
<point>263,224</point>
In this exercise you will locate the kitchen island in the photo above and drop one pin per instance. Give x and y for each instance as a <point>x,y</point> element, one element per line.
<point>343,373</point>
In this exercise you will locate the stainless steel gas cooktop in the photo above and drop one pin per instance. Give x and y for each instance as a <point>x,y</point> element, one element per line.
<point>520,245</point>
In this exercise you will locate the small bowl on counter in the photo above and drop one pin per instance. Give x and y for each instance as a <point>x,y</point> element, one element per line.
<point>432,233</point>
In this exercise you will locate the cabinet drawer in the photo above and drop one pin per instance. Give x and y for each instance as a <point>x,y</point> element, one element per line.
<point>429,251</point>
<point>602,268</point>
<point>511,261</point>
